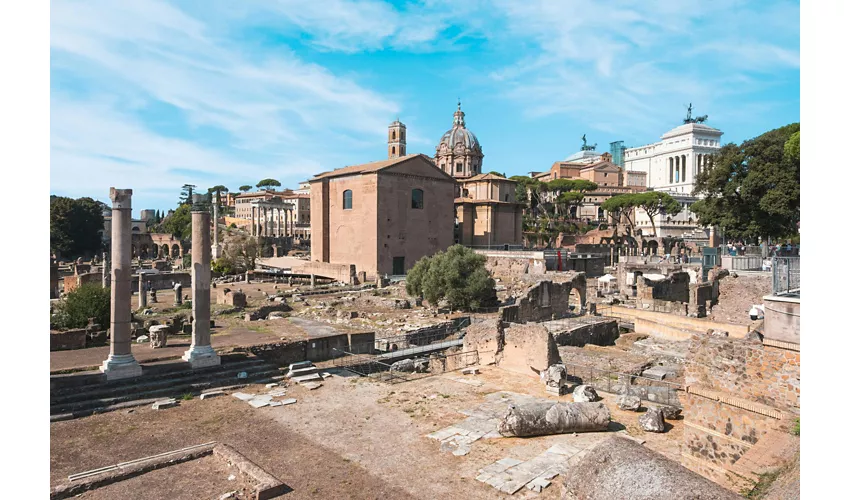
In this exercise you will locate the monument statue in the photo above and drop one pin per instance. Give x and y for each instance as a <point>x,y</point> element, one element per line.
<point>691,119</point>
<point>584,146</point>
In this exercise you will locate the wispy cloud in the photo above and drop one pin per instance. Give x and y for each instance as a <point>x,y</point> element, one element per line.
<point>136,53</point>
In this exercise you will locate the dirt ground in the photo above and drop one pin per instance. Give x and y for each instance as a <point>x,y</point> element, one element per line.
<point>737,296</point>
<point>351,438</point>
<point>206,477</point>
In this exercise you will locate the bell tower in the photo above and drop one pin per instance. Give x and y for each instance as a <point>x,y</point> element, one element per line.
<point>396,140</point>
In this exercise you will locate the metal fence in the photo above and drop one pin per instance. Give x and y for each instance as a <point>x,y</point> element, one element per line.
<point>786,275</point>
<point>647,389</point>
<point>371,366</point>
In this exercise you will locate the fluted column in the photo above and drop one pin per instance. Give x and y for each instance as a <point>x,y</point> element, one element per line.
<point>253,227</point>
<point>120,363</point>
<point>201,353</point>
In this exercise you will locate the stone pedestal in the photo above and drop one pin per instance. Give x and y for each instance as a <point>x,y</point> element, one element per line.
<point>201,353</point>
<point>178,294</point>
<point>120,363</point>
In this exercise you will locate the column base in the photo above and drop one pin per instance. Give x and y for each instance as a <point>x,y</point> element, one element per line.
<point>119,366</point>
<point>201,356</point>
<point>216,251</point>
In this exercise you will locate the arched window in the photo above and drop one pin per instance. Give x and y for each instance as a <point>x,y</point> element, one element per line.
<point>346,199</point>
<point>393,134</point>
<point>417,199</point>
<point>393,149</point>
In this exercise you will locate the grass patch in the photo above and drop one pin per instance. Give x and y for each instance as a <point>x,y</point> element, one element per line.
<point>765,481</point>
<point>187,397</point>
<point>796,429</point>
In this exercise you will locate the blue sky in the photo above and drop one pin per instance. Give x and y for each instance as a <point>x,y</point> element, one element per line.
<point>149,95</point>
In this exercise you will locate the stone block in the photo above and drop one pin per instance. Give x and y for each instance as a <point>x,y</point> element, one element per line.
<point>163,404</point>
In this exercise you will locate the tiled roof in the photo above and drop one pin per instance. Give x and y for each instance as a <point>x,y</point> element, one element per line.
<point>366,167</point>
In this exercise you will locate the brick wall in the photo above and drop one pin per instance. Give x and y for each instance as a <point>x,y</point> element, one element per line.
<point>746,369</point>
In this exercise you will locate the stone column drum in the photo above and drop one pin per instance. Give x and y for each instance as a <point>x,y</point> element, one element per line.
<point>120,363</point>
<point>201,353</point>
<point>143,298</point>
<point>104,274</point>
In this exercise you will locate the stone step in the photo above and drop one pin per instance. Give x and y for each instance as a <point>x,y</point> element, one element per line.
<point>299,365</point>
<point>194,385</point>
<point>71,384</point>
<point>313,377</point>
<point>106,390</point>
<point>303,371</point>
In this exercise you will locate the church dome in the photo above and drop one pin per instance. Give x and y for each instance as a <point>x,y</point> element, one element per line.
<point>459,134</point>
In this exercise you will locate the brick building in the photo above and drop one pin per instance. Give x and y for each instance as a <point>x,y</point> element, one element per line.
<point>382,216</point>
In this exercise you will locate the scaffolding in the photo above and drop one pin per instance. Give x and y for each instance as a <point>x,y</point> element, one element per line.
<point>618,153</point>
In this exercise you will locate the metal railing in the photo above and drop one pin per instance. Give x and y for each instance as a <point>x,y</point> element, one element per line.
<point>786,275</point>
<point>656,391</point>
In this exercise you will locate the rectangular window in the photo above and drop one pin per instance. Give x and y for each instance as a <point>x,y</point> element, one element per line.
<point>459,167</point>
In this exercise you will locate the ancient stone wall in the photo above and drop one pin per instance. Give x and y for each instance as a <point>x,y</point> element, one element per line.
<point>344,273</point>
<point>67,340</point>
<point>72,282</point>
<point>528,349</point>
<point>737,391</point>
<point>601,333</point>
<point>511,266</point>
<point>487,338</point>
<point>163,281</point>
<point>747,369</point>
<point>545,301</point>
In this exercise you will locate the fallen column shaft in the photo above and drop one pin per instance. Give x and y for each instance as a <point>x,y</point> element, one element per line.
<point>538,419</point>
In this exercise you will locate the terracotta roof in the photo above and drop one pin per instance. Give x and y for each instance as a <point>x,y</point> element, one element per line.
<point>486,177</point>
<point>366,167</point>
<point>483,201</point>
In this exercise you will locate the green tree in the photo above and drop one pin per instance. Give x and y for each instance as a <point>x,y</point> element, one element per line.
<point>179,223</point>
<point>752,191</point>
<point>493,172</point>
<point>457,275</point>
<point>186,193</point>
<point>621,207</point>
<point>244,188</point>
<point>240,253</point>
<point>86,301</point>
<point>267,183</point>
<point>75,226</point>
<point>654,203</point>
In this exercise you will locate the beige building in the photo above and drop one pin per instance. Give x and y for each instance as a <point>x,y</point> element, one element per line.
<point>486,212</point>
<point>301,213</point>
<point>599,169</point>
<point>382,216</point>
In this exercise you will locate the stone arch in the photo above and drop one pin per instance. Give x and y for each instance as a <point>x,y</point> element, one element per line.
<point>652,247</point>
<point>164,251</point>
<point>145,252</point>
<point>175,251</point>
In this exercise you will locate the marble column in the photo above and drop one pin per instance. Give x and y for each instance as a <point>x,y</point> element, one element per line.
<point>104,278</point>
<point>143,298</point>
<point>120,363</point>
<point>252,221</point>
<point>280,213</point>
<point>216,249</point>
<point>201,353</point>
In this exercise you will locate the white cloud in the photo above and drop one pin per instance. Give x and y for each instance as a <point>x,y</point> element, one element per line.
<point>136,54</point>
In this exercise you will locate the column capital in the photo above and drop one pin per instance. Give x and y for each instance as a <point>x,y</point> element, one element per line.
<point>121,198</point>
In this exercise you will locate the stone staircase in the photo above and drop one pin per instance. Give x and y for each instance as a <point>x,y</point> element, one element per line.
<point>82,394</point>
<point>304,372</point>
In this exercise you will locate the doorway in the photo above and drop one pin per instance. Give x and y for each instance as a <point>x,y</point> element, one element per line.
<point>398,266</point>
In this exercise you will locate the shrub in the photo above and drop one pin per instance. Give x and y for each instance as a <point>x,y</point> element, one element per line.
<point>232,225</point>
<point>457,275</point>
<point>84,302</point>
<point>223,266</point>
